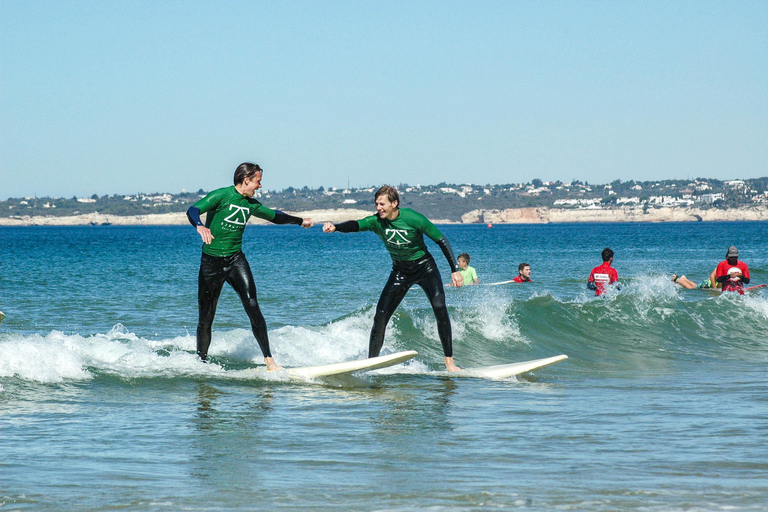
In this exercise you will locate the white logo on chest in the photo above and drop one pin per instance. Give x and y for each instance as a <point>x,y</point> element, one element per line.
<point>397,237</point>
<point>239,216</point>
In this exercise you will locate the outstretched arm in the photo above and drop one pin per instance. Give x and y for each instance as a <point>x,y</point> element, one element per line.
<point>350,226</point>
<point>284,218</point>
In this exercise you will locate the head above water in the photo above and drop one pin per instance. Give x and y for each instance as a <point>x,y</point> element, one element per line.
<point>463,256</point>
<point>521,267</point>
<point>607,254</point>
<point>246,170</point>
<point>733,252</point>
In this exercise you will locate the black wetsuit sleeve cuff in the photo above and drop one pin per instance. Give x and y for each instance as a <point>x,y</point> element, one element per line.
<point>445,246</point>
<point>591,285</point>
<point>350,226</point>
<point>284,218</point>
<point>745,280</point>
<point>193,214</point>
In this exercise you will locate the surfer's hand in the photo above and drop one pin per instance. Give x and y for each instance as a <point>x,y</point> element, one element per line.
<point>328,227</point>
<point>205,234</point>
<point>457,279</point>
<point>307,223</point>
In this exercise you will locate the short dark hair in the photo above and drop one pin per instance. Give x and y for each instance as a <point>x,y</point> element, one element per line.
<point>464,256</point>
<point>521,266</point>
<point>390,192</point>
<point>246,170</point>
<point>607,254</point>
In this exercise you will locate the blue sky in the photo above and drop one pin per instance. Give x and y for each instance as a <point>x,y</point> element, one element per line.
<point>123,97</point>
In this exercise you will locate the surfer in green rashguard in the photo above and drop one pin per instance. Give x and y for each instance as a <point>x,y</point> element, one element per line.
<point>228,210</point>
<point>402,230</point>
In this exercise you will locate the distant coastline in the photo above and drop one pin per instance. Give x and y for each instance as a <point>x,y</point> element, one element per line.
<point>541,215</point>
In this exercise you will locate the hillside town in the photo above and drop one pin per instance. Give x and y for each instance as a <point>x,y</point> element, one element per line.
<point>445,202</point>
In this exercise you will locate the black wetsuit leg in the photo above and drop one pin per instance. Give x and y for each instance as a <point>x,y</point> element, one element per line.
<point>392,295</point>
<point>214,272</point>
<point>432,284</point>
<point>210,281</point>
<point>423,272</point>
<point>241,279</point>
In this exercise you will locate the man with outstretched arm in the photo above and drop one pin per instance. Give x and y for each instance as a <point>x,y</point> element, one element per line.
<point>402,230</point>
<point>228,210</point>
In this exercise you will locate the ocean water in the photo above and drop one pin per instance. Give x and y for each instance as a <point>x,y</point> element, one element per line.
<point>661,406</point>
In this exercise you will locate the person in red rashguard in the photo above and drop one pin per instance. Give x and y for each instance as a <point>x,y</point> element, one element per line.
<point>603,275</point>
<point>734,274</point>
<point>524,274</point>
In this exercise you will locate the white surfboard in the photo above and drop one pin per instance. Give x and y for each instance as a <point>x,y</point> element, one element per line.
<point>502,371</point>
<point>497,284</point>
<point>2,316</point>
<point>373,363</point>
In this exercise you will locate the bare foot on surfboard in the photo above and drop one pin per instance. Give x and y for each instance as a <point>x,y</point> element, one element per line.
<point>450,365</point>
<point>272,366</point>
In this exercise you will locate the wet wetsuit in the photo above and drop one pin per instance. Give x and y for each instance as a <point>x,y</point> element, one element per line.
<point>411,264</point>
<point>521,279</point>
<point>222,260</point>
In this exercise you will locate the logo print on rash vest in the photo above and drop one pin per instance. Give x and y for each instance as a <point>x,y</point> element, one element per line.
<point>397,237</point>
<point>238,217</point>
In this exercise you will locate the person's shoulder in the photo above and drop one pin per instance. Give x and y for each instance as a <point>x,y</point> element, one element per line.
<point>410,213</point>
<point>369,222</point>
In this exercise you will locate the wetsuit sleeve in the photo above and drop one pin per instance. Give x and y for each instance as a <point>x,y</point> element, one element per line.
<point>193,214</point>
<point>284,218</point>
<point>445,246</point>
<point>428,228</point>
<point>367,224</point>
<point>591,285</point>
<point>350,226</point>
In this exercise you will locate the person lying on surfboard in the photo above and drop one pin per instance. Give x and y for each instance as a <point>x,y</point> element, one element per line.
<point>732,273</point>
<point>603,275</point>
<point>686,283</point>
<point>228,210</point>
<point>402,230</point>
<point>524,274</point>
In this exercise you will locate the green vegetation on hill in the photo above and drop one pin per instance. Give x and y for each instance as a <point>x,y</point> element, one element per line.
<point>441,201</point>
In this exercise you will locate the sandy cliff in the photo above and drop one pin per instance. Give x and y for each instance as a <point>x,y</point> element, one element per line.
<point>627,214</point>
<point>165,219</point>
<point>508,216</point>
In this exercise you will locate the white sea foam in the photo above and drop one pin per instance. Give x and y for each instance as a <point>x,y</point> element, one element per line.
<point>57,357</point>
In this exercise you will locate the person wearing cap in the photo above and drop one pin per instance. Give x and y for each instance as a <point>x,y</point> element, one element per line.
<point>524,274</point>
<point>732,273</point>
<point>603,275</point>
